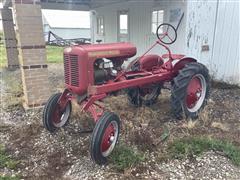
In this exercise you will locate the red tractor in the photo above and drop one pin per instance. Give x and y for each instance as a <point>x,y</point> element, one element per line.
<point>92,72</point>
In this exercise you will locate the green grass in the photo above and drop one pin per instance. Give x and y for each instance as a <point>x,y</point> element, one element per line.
<point>54,53</point>
<point>9,178</point>
<point>187,147</point>
<point>6,160</point>
<point>124,157</point>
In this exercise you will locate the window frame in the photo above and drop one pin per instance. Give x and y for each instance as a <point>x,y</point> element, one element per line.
<point>157,23</point>
<point>99,30</point>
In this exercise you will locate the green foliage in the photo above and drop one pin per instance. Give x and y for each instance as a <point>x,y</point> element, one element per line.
<point>54,54</point>
<point>9,178</point>
<point>6,160</point>
<point>124,157</point>
<point>187,147</point>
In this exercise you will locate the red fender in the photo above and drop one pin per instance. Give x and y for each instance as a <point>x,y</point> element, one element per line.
<point>182,62</point>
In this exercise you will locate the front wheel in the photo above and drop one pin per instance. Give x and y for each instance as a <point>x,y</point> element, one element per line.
<point>53,116</point>
<point>104,138</point>
<point>190,91</point>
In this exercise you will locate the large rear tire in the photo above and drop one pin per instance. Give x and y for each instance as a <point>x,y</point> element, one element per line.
<point>190,91</point>
<point>144,96</point>
<point>104,138</point>
<point>53,117</point>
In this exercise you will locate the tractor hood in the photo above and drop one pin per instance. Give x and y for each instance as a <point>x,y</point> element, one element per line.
<point>111,50</point>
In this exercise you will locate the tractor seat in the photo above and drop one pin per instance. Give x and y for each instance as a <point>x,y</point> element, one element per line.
<point>174,56</point>
<point>147,62</point>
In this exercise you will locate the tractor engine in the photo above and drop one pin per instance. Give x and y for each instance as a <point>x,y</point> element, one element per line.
<point>104,71</point>
<point>94,64</point>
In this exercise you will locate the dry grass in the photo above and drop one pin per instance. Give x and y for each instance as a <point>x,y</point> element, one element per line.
<point>190,124</point>
<point>219,125</point>
<point>13,89</point>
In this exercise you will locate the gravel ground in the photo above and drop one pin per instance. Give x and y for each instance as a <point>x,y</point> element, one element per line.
<point>65,155</point>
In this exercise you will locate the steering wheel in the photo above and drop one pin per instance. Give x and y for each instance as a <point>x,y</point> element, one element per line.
<point>166,33</point>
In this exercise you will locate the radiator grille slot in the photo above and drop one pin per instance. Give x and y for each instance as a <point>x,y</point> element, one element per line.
<point>74,70</point>
<point>66,69</point>
<point>71,70</point>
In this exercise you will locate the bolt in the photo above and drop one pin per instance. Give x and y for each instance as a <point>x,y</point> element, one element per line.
<point>112,138</point>
<point>198,94</point>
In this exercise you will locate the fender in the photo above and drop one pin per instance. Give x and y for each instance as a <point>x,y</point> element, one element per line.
<point>182,62</point>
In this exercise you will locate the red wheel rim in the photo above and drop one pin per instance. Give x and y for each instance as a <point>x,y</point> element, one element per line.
<point>196,92</point>
<point>59,118</point>
<point>109,138</point>
<point>57,115</point>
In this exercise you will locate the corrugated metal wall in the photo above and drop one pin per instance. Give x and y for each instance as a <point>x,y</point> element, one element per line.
<point>213,37</point>
<point>225,60</point>
<point>201,17</point>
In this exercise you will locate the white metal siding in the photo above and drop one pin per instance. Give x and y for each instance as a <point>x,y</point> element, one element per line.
<point>225,61</point>
<point>200,29</point>
<point>215,24</point>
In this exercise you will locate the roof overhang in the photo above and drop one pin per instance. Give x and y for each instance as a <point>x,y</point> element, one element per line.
<point>77,5</point>
<point>82,5</point>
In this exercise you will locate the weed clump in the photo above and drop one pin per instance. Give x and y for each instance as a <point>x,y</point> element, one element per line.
<point>5,160</point>
<point>124,157</point>
<point>187,147</point>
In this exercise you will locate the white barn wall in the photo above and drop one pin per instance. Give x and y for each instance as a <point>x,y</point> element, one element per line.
<point>225,60</point>
<point>140,15</point>
<point>201,17</point>
<point>215,23</point>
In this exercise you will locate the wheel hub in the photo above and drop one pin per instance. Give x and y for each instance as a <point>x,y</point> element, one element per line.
<point>196,91</point>
<point>59,117</point>
<point>109,139</point>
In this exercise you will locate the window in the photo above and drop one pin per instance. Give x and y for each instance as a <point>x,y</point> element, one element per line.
<point>157,19</point>
<point>123,20</point>
<point>100,26</point>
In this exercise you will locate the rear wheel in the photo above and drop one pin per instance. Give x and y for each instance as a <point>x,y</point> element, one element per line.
<point>144,96</point>
<point>190,91</point>
<point>104,138</point>
<point>53,116</point>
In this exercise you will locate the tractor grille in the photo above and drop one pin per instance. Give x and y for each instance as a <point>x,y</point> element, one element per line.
<point>71,72</point>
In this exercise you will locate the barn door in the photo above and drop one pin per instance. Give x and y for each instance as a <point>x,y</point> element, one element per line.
<point>225,57</point>
<point>123,26</point>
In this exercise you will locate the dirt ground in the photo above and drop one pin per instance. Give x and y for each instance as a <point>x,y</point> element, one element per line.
<point>65,154</point>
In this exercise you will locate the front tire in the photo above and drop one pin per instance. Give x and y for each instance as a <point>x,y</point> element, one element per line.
<point>190,91</point>
<point>104,138</point>
<point>53,117</point>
